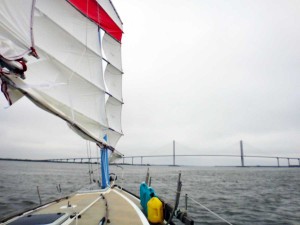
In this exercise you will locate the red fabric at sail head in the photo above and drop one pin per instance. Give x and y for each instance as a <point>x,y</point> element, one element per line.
<point>95,12</point>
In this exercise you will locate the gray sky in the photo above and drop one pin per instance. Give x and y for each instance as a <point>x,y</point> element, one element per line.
<point>204,73</point>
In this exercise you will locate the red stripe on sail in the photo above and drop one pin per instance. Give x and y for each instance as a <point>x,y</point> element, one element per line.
<point>95,12</point>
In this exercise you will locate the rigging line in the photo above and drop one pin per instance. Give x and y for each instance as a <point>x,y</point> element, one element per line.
<point>181,146</point>
<point>247,145</point>
<point>203,206</point>
<point>116,12</point>
<point>89,164</point>
<point>87,153</point>
<point>90,152</point>
<point>31,23</point>
<point>86,22</point>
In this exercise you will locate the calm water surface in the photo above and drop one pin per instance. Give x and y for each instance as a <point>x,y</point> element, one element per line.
<point>242,196</point>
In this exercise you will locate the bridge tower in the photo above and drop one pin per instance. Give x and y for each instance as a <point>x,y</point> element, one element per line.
<point>242,153</point>
<point>173,152</point>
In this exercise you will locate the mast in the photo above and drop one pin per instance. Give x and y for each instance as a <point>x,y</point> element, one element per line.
<point>104,166</point>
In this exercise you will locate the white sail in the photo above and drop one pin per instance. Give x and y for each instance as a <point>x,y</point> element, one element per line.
<point>16,38</point>
<point>74,23</point>
<point>79,95</point>
<point>113,80</point>
<point>69,51</point>
<point>113,137</point>
<point>67,79</point>
<point>113,109</point>
<point>112,51</point>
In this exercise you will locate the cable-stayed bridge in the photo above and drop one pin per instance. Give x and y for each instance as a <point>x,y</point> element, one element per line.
<point>140,159</point>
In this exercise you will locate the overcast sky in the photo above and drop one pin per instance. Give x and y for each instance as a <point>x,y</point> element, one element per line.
<point>204,73</point>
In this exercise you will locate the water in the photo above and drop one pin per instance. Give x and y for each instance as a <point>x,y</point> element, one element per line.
<point>261,196</point>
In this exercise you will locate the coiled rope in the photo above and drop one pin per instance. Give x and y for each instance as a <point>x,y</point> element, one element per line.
<point>203,206</point>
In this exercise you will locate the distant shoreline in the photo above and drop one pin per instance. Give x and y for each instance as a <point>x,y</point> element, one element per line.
<point>24,160</point>
<point>128,164</point>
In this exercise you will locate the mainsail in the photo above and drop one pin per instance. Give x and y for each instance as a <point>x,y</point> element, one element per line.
<point>65,56</point>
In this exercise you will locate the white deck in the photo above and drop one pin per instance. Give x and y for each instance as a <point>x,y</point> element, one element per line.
<point>122,208</point>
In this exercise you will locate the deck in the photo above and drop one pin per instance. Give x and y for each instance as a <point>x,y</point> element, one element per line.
<point>93,208</point>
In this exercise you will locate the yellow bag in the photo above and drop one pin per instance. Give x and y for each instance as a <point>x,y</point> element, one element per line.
<point>155,210</point>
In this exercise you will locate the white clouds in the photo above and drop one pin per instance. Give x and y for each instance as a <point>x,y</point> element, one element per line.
<point>28,132</point>
<point>212,71</point>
